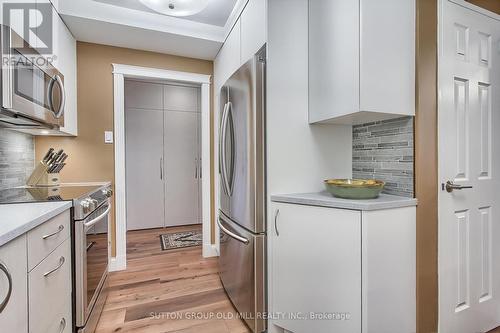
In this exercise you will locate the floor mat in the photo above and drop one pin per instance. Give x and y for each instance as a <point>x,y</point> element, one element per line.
<point>180,240</point>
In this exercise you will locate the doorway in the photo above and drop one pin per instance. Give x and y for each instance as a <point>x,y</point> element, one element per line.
<point>469,168</point>
<point>121,72</point>
<point>163,156</point>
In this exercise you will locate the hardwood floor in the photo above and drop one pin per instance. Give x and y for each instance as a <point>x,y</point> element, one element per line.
<point>174,291</point>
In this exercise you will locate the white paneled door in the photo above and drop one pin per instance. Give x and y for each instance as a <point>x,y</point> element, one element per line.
<point>143,155</point>
<point>163,164</point>
<point>469,157</point>
<point>182,168</point>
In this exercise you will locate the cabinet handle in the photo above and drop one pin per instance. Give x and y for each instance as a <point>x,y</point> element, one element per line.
<point>61,263</point>
<point>63,325</point>
<point>61,228</point>
<point>276,222</point>
<point>9,291</point>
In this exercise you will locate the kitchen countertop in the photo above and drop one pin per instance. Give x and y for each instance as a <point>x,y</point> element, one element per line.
<point>325,199</point>
<point>18,219</point>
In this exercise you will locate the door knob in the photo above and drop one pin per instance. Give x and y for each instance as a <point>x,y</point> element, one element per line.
<point>450,186</point>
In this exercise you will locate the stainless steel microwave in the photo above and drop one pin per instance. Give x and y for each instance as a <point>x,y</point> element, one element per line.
<point>32,89</point>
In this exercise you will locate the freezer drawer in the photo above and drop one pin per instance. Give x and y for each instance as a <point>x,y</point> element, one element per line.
<point>242,271</point>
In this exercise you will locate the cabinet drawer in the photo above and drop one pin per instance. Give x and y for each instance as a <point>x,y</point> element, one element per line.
<point>60,322</point>
<point>49,287</point>
<point>46,237</point>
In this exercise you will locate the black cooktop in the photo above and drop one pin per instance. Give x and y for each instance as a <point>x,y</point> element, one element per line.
<point>43,194</point>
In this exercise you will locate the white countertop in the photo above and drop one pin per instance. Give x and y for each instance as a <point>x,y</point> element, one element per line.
<point>18,219</point>
<point>325,199</point>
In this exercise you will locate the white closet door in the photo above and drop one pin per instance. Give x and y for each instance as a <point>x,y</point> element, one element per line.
<point>144,153</point>
<point>181,155</point>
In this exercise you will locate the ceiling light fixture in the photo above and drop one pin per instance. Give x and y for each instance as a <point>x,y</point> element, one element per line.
<point>176,7</point>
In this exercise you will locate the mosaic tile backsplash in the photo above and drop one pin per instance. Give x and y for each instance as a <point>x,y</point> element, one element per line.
<point>17,158</point>
<point>384,150</point>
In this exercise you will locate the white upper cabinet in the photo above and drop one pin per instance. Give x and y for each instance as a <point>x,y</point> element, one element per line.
<point>247,37</point>
<point>253,28</point>
<point>228,59</point>
<point>361,60</point>
<point>65,62</point>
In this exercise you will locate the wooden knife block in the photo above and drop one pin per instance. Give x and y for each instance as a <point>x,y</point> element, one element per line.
<point>41,177</point>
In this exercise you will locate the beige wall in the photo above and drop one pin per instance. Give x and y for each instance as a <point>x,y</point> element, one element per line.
<point>492,5</point>
<point>90,159</point>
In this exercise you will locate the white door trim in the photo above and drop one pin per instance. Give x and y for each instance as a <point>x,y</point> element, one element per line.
<point>120,72</point>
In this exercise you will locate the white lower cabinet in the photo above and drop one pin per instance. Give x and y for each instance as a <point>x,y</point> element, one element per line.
<point>49,286</point>
<point>13,267</point>
<point>339,270</point>
<point>40,299</point>
<point>317,268</point>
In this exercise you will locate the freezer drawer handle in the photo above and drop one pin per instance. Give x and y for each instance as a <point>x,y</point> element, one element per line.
<point>9,291</point>
<point>276,222</point>
<point>231,234</point>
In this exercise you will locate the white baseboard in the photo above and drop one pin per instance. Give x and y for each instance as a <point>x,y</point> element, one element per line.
<point>210,250</point>
<point>117,264</point>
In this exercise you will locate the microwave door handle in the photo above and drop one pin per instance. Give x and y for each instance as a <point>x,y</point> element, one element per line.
<point>50,90</point>
<point>97,219</point>
<point>62,103</point>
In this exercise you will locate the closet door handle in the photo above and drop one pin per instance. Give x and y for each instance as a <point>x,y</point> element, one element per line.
<point>196,168</point>
<point>161,168</point>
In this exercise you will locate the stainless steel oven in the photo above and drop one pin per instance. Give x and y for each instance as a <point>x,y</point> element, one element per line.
<point>91,264</point>
<point>33,93</point>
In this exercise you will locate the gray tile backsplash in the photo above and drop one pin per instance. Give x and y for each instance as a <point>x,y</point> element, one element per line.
<point>384,150</point>
<point>17,158</point>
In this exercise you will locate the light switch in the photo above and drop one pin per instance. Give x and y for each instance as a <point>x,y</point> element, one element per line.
<point>108,137</point>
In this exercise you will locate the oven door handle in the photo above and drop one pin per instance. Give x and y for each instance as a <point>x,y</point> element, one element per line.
<point>97,219</point>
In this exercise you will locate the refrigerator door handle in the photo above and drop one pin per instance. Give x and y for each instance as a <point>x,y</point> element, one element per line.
<point>222,149</point>
<point>230,175</point>
<point>232,234</point>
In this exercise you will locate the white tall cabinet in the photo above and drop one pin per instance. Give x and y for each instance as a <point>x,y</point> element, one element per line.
<point>163,158</point>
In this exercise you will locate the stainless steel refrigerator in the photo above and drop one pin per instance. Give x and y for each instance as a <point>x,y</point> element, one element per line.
<point>242,207</point>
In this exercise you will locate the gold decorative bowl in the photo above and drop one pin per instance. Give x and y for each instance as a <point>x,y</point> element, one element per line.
<point>354,188</point>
